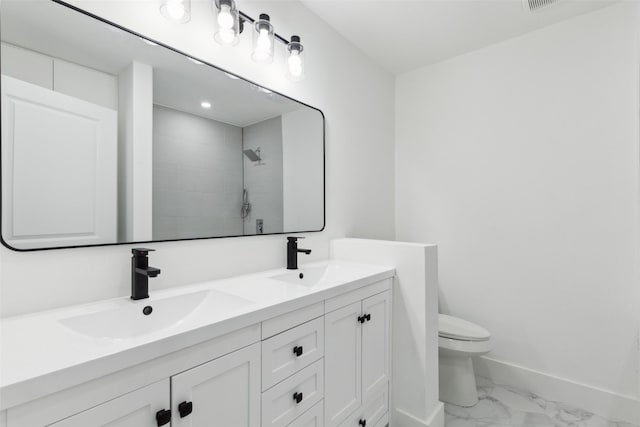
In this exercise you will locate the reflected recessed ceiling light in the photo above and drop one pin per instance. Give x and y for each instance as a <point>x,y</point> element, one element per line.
<point>264,90</point>
<point>231,76</point>
<point>149,42</point>
<point>205,104</point>
<point>195,61</point>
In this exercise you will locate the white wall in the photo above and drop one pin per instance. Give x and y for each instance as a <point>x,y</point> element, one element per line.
<point>263,179</point>
<point>520,161</point>
<point>135,153</point>
<point>302,163</point>
<point>357,99</point>
<point>197,176</point>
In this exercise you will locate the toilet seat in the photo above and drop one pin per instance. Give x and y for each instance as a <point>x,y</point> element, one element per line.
<point>454,328</point>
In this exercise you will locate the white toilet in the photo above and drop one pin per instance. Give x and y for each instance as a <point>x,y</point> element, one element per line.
<point>459,341</point>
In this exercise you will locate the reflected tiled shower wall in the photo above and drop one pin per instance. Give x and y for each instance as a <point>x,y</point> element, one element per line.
<point>197,176</point>
<point>263,180</point>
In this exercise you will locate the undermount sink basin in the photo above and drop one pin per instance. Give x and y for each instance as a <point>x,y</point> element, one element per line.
<point>127,319</point>
<point>308,276</point>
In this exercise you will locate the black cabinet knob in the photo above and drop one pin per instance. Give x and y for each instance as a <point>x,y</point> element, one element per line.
<point>363,423</point>
<point>185,408</point>
<point>297,397</point>
<point>361,319</point>
<point>163,417</point>
<point>297,350</point>
<point>367,317</point>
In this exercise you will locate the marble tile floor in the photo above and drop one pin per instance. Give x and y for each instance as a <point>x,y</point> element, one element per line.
<point>503,406</point>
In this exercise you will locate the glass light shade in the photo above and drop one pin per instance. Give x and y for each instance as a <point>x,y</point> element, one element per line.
<point>178,11</point>
<point>295,60</point>
<point>263,39</point>
<point>227,22</point>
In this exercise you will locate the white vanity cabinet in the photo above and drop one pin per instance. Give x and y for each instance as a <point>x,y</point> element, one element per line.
<point>324,364</point>
<point>224,391</point>
<point>357,361</point>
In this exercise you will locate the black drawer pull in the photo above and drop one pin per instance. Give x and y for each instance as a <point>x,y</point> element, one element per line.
<point>163,416</point>
<point>297,397</point>
<point>363,423</point>
<point>297,350</point>
<point>185,408</point>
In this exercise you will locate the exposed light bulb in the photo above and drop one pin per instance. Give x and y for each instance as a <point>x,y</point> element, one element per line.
<point>263,40</point>
<point>295,64</point>
<point>263,45</point>
<point>225,19</point>
<point>176,10</point>
<point>295,60</point>
<point>226,35</point>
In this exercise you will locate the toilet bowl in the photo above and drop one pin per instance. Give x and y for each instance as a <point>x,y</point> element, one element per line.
<point>459,341</point>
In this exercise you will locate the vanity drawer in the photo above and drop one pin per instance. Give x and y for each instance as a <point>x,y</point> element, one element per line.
<point>371,412</point>
<point>281,323</point>
<point>314,417</point>
<point>280,407</point>
<point>285,354</point>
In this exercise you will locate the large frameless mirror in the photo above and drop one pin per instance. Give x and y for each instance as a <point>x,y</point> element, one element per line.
<point>110,138</point>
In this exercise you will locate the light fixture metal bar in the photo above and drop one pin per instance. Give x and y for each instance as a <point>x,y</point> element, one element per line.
<point>245,17</point>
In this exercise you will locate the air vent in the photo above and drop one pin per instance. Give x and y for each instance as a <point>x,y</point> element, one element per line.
<point>536,5</point>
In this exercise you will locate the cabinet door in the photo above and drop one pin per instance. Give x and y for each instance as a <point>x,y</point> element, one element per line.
<point>135,409</point>
<point>224,392</point>
<point>375,345</point>
<point>343,363</point>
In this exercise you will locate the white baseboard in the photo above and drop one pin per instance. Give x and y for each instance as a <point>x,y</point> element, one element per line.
<point>614,406</point>
<point>403,419</point>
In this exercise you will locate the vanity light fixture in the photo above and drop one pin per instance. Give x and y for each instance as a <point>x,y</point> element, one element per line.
<point>295,61</point>
<point>205,104</point>
<point>178,11</point>
<point>227,23</point>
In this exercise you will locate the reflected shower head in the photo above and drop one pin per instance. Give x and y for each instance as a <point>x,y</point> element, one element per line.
<point>254,156</point>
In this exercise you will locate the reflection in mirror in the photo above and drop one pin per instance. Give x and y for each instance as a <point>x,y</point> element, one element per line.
<point>110,138</point>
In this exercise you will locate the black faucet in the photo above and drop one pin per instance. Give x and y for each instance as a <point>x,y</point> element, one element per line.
<point>140,273</point>
<point>292,252</point>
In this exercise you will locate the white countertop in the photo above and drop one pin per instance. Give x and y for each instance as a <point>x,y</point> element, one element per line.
<point>40,355</point>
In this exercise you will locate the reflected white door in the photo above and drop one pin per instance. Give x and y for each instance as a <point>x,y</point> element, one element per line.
<point>59,168</point>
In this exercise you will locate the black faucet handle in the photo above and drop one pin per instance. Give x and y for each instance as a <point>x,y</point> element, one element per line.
<point>141,251</point>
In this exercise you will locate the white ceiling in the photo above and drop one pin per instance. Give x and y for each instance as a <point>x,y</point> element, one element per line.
<point>403,35</point>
